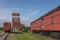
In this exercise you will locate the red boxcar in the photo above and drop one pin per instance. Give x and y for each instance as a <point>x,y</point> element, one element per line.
<point>35,26</point>
<point>7,26</point>
<point>49,22</point>
<point>32,26</point>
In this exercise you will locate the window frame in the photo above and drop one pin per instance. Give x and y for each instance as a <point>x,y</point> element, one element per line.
<point>42,22</point>
<point>52,20</point>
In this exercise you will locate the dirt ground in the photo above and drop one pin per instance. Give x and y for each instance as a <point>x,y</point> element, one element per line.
<point>11,37</point>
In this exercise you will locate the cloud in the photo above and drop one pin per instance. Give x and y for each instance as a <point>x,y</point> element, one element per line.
<point>26,19</point>
<point>33,13</point>
<point>6,14</point>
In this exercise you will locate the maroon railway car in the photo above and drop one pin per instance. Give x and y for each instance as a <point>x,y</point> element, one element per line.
<point>50,22</point>
<point>35,26</point>
<point>32,27</point>
<point>7,26</point>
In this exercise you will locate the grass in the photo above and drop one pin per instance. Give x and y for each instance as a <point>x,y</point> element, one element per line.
<point>1,30</point>
<point>30,36</point>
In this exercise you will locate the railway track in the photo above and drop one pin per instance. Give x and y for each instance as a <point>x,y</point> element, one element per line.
<point>4,36</point>
<point>55,38</point>
<point>52,38</point>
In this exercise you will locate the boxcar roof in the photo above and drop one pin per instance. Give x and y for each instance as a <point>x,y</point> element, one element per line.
<point>50,12</point>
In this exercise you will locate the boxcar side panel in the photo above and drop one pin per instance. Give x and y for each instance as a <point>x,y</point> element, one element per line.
<point>47,21</point>
<point>37,24</point>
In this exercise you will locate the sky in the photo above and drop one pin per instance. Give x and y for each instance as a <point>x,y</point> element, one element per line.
<point>29,10</point>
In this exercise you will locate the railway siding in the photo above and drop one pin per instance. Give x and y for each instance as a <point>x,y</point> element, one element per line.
<point>4,36</point>
<point>1,34</point>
